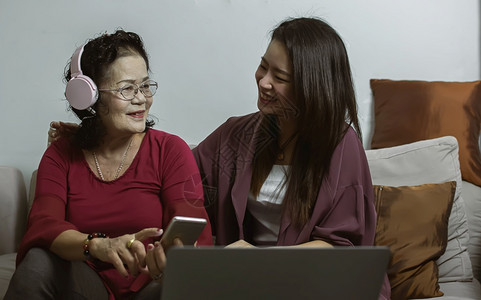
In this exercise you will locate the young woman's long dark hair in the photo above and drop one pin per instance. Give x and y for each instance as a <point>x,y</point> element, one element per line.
<point>326,105</point>
<point>98,56</point>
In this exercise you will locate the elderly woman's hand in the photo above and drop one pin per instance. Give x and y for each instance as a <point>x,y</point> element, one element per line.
<point>60,129</point>
<point>125,251</point>
<point>155,259</point>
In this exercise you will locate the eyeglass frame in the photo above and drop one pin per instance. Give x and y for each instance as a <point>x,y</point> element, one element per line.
<point>120,90</point>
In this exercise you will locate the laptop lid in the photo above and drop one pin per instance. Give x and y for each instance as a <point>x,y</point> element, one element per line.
<point>274,273</point>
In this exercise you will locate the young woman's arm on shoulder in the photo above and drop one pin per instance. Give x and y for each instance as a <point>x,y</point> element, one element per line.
<point>60,129</point>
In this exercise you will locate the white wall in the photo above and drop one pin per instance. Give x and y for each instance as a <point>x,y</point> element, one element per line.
<point>204,54</point>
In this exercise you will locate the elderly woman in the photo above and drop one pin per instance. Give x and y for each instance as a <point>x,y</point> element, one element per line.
<point>105,194</point>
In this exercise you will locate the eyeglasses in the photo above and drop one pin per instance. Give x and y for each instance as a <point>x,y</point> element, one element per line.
<point>128,91</point>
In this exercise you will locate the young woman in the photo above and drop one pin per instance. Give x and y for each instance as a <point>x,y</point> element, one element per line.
<point>295,172</point>
<point>105,194</point>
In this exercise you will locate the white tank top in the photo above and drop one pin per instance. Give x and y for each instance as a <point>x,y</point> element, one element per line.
<point>266,208</point>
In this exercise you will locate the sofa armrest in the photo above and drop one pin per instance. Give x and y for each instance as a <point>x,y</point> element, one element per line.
<point>13,212</point>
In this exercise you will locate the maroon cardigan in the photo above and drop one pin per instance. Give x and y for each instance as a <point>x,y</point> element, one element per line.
<point>344,213</point>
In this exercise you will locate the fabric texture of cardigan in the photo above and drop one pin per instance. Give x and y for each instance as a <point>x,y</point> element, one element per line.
<point>344,213</point>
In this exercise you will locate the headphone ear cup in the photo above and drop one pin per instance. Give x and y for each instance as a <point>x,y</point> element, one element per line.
<point>81,92</point>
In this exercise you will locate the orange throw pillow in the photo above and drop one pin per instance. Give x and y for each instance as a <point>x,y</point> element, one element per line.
<point>413,222</point>
<point>410,111</point>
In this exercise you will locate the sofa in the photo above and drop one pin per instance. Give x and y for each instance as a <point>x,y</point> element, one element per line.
<point>411,169</point>
<point>13,217</point>
<point>425,163</point>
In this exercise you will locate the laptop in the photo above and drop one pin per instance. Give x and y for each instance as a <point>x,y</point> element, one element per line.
<point>216,273</point>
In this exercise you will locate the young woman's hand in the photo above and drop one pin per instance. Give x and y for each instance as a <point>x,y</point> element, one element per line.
<point>240,244</point>
<point>60,129</point>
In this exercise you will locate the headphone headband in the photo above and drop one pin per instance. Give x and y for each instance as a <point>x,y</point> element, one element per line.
<point>75,68</point>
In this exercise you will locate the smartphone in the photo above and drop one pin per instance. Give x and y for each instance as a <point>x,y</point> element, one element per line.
<point>187,229</point>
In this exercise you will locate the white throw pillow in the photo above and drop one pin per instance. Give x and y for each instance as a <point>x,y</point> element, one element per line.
<point>430,161</point>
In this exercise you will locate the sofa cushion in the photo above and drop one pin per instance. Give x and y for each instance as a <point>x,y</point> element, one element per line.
<point>410,111</point>
<point>460,290</point>
<point>7,267</point>
<point>472,197</point>
<point>430,161</point>
<point>413,222</point>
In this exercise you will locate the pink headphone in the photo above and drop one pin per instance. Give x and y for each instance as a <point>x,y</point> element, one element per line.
<point>81,91</point>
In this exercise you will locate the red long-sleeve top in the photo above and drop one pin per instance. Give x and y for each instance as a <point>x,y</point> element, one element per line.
<point>162,181</point>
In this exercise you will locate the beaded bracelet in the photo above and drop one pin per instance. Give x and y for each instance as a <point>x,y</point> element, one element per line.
<point>87,240</point>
